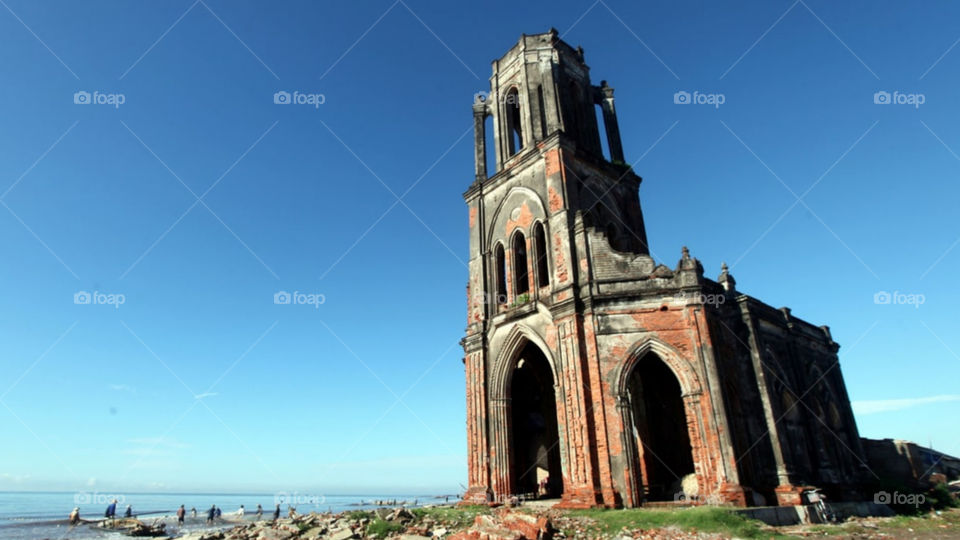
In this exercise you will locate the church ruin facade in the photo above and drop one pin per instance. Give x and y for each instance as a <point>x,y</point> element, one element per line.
<point>595,374</point>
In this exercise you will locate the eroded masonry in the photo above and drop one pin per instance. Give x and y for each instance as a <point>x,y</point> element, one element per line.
<point>597,375</point>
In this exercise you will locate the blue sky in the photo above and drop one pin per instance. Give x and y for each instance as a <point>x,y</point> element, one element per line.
<point>198,381</point>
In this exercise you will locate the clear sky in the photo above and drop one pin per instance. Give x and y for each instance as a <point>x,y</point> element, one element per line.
<point>198,198</point>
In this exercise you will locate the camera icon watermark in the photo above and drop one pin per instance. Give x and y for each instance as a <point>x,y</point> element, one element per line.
<point>903,499</point>
<point>284,298</point>
<point>882,97</point>
<point>682,97</point>
<point>97,298</point>
<point>82,97</point>
<point>884,298</point>
<point>282,97</point>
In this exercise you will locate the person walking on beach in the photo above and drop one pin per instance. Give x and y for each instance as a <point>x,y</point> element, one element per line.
<point>211,513</point>
<point>111,510</point>
<point>129,512</point>
<point>75,516</point>
<point>193,512</point>
<point>259,512</point>
<point>276,513</point>
<point>180,513</point>
<point>240,512</point>
<point>219,513</point>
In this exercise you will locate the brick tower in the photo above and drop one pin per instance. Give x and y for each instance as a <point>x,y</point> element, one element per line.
<point>598,376</point>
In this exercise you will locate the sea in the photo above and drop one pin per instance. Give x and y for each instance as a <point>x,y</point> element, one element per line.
<point>44,515</point>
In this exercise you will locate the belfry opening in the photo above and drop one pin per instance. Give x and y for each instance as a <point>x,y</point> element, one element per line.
<point>660,431</point>
<point>536,470</point>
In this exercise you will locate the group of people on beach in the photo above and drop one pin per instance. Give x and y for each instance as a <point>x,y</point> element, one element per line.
<point>214,514</point>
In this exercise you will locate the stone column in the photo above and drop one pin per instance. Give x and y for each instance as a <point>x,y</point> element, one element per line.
<point>610,122</point>
<point>573,408</point>
<point>500,480</point>
<point>480,138</point>
<point>478,457</point>
<point>633,495</point>
<point>718,442</point>
<point>787,494</point>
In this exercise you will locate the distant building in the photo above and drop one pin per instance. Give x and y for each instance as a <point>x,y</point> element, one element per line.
<point>910,464</point>
<point>598,375</point>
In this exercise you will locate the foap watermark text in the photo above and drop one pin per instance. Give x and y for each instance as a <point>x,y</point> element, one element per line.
<point>283,298</point>
<point>897,298</point>
<point>296,499</point>
<point>282,97</point>
<point>698,297</point>
<point>682,97</point>
<point>882,97</point>
<point>97,298</point>
<point>82,97</point>
<point>904,499</point>
<point>96,498</point>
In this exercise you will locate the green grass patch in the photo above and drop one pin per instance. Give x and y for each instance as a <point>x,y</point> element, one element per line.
<point>897,526</point>
<point>715,520</point>
<point>358,514</point>
<point>381,528</point>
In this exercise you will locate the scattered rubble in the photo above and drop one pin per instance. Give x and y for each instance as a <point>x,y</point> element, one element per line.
<point>529,523</point>
<point>399,523</point>
<point>505,524</point>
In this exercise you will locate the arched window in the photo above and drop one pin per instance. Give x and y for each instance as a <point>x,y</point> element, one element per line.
<point>540,252</point>
<point>520,274</point>
<point>514,128</point>
<point>501,266</point>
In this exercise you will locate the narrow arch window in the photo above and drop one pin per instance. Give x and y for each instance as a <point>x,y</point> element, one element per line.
<point>543,112</point>
<point>540,252</point>
<point>514,128</point>
<point>520,274</point>
<point>501,266</point>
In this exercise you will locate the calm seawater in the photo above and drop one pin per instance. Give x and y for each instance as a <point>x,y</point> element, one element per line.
<point>35,515</point>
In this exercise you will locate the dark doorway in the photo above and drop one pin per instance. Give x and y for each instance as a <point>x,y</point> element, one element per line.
<point>660,429</point>
<point>536,446</point>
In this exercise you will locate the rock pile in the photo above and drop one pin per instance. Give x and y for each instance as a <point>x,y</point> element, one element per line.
<point>382,523</point>
<point>507,525</point>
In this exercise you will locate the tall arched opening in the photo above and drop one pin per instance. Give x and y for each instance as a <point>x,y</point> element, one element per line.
<point>535,438</point>
<point>659,431</point>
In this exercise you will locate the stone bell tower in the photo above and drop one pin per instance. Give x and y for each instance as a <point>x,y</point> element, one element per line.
<point>594,374</point>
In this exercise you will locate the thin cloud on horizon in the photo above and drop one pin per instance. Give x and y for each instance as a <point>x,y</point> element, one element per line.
<point>889,405</point>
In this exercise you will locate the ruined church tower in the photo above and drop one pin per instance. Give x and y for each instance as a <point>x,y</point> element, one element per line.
<point>596,375</point>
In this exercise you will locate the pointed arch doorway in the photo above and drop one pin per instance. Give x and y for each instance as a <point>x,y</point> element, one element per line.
<point>659,429</point>
<point>535,439</point>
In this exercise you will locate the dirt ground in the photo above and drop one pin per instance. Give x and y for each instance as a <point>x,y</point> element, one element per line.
<point>945,524</point>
